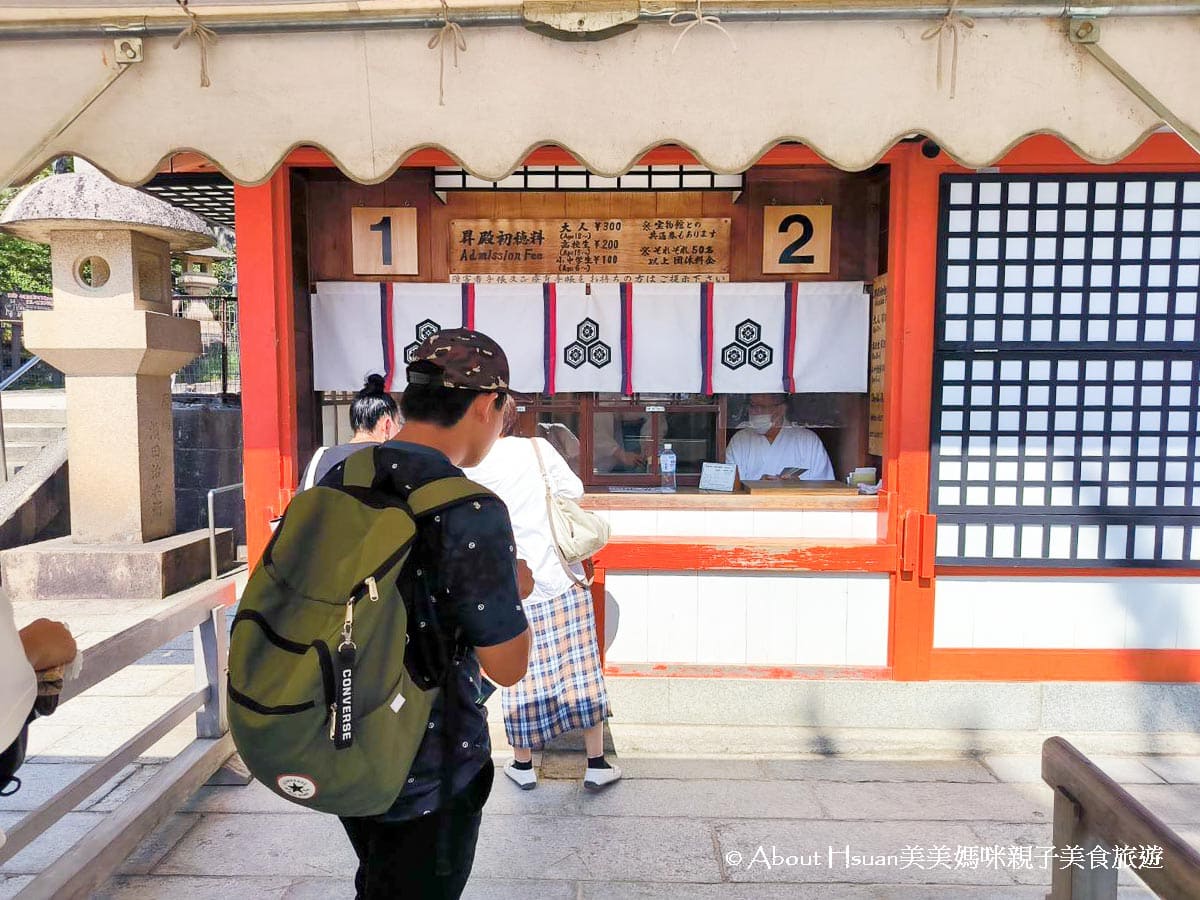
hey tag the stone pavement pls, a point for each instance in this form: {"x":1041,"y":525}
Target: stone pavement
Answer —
{"x":681,"y":828}
{"x":683,"y":825}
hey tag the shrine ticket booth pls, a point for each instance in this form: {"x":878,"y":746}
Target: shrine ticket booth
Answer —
{"x":983,"y":292}
{"x":996,"y":349}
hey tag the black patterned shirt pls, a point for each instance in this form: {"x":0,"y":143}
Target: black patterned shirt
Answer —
{"x":462,"y":578}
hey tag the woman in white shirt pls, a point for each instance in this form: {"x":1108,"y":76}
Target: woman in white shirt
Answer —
{"x":563,"y":689}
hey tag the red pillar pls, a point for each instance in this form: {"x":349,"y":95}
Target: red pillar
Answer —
{"x":912,"y":284}
{"x":268,"y":359}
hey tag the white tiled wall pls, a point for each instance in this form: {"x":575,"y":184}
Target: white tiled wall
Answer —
{"x":1068,"y":613}
{"x":759,"y":619}
{"x":778,"y":523}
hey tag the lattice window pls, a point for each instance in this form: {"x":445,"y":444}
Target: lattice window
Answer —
{"x":577,"y":178}
{"x":207,"y":195}
{"x":1067,"y":372}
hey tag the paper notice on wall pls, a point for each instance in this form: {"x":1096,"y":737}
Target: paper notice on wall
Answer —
{"x":878,"y":354}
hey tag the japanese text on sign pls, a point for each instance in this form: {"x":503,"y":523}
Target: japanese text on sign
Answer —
{"x":589,"y":249}
{"x":878,"y":356}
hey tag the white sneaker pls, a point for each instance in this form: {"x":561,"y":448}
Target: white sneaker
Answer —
{"x":526,"y":779}
{"x":598,"y":779}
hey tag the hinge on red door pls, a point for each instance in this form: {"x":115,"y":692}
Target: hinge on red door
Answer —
{"x":918,"y":547}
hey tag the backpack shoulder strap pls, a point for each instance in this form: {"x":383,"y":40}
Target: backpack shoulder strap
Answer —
{"x":310,"y":474}
{"x":443,"y":493}
{"x":359,"y":469}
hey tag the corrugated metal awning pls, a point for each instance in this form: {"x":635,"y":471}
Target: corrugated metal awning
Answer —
{"x":369,"y":96}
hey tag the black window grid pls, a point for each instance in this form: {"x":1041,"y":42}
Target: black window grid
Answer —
{"x":1064,"y":435}
{"x":208,"y":195}
{"x":577,"y":178}
{"x":1060,"y":261}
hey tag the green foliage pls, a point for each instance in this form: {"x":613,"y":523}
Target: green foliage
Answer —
{"x":23,"y":266}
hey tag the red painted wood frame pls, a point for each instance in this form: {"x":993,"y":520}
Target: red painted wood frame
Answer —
{"x":262,"y":219}
{"x":906,"y":547}
{"x":1047,"y":155}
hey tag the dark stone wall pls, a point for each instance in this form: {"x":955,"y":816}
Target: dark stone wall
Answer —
{"x":208,"y":454}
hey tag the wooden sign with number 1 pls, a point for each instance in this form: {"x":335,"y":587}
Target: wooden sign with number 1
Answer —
{"x":797,"y":239}
{"x":384,"y":240}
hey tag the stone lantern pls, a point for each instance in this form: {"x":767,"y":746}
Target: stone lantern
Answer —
{"x":197,"y":279}
{"x":111,"y":333}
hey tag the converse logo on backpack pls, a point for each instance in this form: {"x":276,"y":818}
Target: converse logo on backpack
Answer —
{"x":297,"y":787}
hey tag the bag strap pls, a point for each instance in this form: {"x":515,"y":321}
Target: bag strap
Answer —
{"x":310,"y":474}
{"x":443,"y":493}
{"x":359,"y":468}
{"x":562,"y":560}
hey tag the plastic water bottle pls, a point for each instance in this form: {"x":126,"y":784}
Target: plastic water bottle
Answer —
{"x":666,"y":465}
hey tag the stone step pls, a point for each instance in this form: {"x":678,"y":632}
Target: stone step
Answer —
{"x":35,"y":408}
{"x":21,"y":452}
{"x":53,"y":417}
{"x":34,"y":415}
{"x":743,"y":715}
{"x":41,"y":433}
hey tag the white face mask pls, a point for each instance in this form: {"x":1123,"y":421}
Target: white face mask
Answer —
{"x":762,"y":423}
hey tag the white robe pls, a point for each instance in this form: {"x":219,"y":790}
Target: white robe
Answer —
{"x":756,"y":457}
{"x":18,"y":683}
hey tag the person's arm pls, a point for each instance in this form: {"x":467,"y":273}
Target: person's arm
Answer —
{"x":816,"y":459}
{"x":47,"y":644}
{"x":479,"y":573}
{"x":732,"y":454}
{"x":506,"y":663}
{"x":563,"y":481}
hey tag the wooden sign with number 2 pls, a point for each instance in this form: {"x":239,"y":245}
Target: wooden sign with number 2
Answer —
{"x":796,"y":239}
{"x":384,"y":240}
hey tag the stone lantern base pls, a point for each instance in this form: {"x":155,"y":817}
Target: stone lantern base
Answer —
{"x":64,"y":570}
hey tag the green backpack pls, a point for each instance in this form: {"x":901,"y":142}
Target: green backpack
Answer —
{"x":323,"y":708}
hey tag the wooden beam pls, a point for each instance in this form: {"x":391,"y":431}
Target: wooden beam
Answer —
{"x":1001,"y":664}
{"x":125,"y":648}
{"x":100,"y":852}
{"x":1092,"y":810}
{"x":740,"y":554}
{"x":267,"y":333}
{"x":31,"y":827}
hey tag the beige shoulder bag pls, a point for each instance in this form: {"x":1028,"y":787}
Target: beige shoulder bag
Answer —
{"x":577,"y":533}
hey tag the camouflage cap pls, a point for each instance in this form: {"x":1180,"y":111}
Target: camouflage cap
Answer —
{"x":467,"y":359}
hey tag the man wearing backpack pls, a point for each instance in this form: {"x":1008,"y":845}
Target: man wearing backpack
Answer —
{"x":465,"y":565}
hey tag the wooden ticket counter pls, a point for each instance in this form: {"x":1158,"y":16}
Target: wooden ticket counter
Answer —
{"x":1028,"y":397}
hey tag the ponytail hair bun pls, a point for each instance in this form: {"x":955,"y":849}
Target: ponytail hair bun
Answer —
{"x":371,"y":404}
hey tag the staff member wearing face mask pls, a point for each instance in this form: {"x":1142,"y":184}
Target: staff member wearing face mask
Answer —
{"x":769,"y":445}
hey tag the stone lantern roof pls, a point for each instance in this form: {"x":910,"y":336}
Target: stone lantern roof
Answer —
{"x":90,"y":202}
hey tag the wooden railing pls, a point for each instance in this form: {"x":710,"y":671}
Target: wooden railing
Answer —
{"x":1092,"y":816}
{"x":98,"y":854}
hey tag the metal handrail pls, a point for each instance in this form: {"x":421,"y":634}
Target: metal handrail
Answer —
{"x":4,"y":386}
{"x":1092,"y":811}
{"x":212,"y":525}
{"x":93,"y":859}
{"x":19,"y":373}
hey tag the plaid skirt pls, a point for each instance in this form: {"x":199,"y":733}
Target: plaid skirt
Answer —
{"x":564,"y":687}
